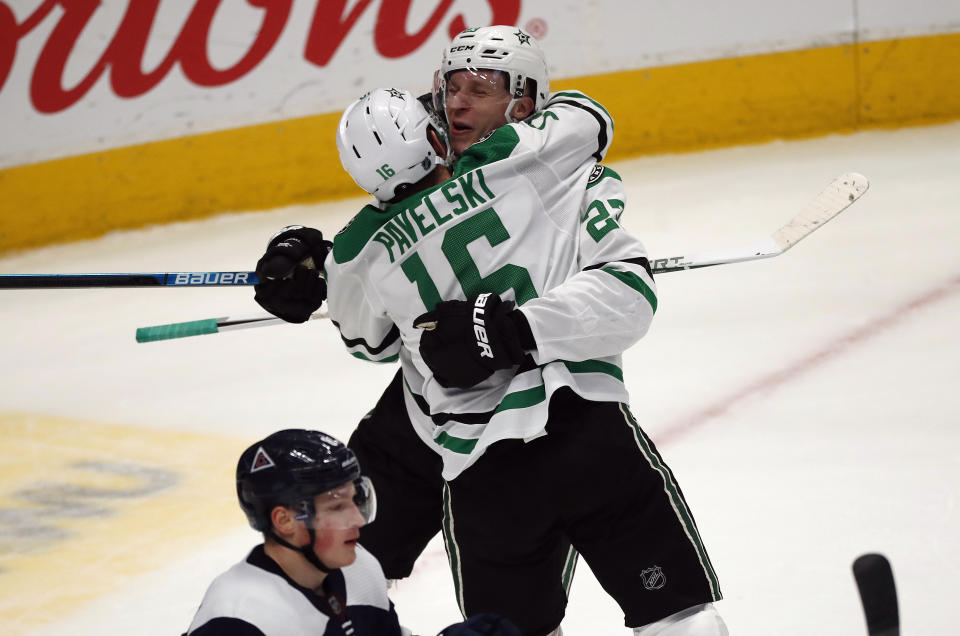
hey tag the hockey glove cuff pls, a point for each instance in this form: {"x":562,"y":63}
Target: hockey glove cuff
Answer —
{"x":464,"y":342}
{"x":290,"y":272}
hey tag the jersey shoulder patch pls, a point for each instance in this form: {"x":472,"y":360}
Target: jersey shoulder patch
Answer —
{"x":599,"y":173}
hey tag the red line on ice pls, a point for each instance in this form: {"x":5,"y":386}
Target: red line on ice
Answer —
{"x":832,"y":349}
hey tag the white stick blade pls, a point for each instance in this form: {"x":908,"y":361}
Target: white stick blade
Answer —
{"x":836,"y":198}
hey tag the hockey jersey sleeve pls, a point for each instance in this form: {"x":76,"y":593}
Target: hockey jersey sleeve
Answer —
{"x":570,"y":129}
{"x":609,"y":304}
{"x":354,"y":308}
{"x":582,"y":123}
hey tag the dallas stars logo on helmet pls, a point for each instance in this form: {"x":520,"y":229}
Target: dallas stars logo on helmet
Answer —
{"x":522,"y":37}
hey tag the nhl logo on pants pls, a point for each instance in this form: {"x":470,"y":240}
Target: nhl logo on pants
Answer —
{"x":653,"y":578}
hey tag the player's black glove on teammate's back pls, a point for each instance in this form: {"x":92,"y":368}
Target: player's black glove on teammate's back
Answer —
{"x":289,"y":272}
{"x":464,"y":342}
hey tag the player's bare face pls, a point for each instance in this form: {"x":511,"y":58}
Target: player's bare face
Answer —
{"x":337,"y":525}
{"x":476,"y":103}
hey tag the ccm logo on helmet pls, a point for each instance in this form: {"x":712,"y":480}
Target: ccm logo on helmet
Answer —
{"x":462,"y":47}
{"x":479,"y":328}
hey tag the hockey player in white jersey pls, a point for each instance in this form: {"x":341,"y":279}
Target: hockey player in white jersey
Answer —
{"x":508,"y":295}
{"x":304,"y":491}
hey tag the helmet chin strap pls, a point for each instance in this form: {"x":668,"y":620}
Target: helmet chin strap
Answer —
{"x":306,"y":550}
{"x":510,"y":118}
{"x":447,"y":161}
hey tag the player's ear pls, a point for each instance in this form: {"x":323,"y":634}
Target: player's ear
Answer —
{"x":436,"y":143}
{"x":523,"y":108}
{"x":283,"y":520}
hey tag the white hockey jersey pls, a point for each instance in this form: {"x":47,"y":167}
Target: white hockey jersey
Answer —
{"x":255,"y":597}
{"x":530,"y":215}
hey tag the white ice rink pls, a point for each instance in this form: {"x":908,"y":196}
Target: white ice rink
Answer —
{"x":808,"y":404}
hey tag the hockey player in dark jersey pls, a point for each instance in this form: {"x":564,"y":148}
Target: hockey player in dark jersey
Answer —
{"x":304,"y":491}
{"x":512,"y":376}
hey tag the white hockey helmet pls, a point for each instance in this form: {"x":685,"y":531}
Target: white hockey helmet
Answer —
{"x":382,"y":141}
{"x":508,"y":49}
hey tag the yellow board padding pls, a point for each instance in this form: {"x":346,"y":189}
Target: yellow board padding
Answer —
{"x":676,"y":108}
{"x":727,"y":101}
{"x":909,"y":81}
{"x":87,"y":506}
{"x":249,"y":168}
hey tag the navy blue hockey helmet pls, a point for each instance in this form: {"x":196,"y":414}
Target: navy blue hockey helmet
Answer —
{"x":292,"y":466}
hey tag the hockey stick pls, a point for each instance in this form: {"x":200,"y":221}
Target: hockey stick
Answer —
{"x":209,"y":325}
{"x":878,"y":593}
{"x":836,"y":198}
{"x":163,"y":279}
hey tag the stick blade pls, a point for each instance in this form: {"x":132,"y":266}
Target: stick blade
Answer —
{"x":878,"y":593}
{"x":836,"y":198}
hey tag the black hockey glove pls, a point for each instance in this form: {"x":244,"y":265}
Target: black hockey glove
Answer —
{"x":290,"y":271}
{"x":464,"y":342}
{"x":482,"y":625}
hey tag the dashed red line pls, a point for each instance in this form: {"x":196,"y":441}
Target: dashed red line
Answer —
{"x":832,"y":349}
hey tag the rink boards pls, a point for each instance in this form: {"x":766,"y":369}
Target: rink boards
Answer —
{"x":665,"y":108}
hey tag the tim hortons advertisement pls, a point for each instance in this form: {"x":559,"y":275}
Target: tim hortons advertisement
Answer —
{"x":78,"y":71}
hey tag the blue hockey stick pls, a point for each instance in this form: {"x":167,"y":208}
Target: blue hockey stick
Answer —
{"x":164,"y":279}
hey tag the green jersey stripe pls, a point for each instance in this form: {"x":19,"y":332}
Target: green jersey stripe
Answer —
{"x":393,"y":358}
{"x":456,"y":444}
{"x":636,"y":283}
{"x":595,"y":366}
{"x":523,"y":399}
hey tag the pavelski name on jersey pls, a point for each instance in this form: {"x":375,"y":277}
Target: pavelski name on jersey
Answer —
{"x":457,"y":196}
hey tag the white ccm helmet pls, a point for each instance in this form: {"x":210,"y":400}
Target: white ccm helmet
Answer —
{"x":501,"y":48}
{"x":382,"y":141}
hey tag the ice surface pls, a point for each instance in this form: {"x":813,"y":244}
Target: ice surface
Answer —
{"x":808,"y":404}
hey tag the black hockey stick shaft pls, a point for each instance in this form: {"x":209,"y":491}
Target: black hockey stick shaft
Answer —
{"x":878,"y":593}
{"x":160,"y":279}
